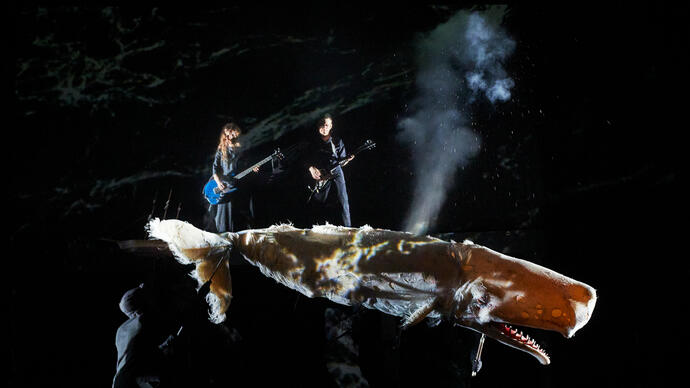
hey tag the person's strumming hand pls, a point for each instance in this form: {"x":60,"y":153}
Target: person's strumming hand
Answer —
{"x":315,"y":173}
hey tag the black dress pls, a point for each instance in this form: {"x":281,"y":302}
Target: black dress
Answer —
{"x":238,"y":202}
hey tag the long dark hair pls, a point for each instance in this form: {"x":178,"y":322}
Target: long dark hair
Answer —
{"x":224,"y":142}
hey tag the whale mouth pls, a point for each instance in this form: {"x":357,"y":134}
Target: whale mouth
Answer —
{"x":516,"y":338}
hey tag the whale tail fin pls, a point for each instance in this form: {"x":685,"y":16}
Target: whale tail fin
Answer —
{"x":208,"y":251}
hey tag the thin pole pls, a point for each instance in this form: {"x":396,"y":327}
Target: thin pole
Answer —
{"x":476,"y":365}
{"x":167,"y":203}
{"x":153,"y":207}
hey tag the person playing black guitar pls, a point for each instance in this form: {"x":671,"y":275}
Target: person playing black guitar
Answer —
{"x":225,"y":164}
{"x":326,"y":154}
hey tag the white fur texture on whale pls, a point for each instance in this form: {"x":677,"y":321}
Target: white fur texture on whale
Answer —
{"x":398,"y":273}
{"x":192,"y":245}
{"x":183,"y":235}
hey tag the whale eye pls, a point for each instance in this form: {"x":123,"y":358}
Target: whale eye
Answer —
{"x":479,"y":303}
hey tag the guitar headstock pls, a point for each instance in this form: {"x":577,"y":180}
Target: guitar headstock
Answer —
{"x":278,"y":154}
{"x":367,"y":145}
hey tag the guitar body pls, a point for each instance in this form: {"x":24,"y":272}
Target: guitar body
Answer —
{"x":320,"y":184}
{"x":214,"y":195}
{"x":327,"y":175}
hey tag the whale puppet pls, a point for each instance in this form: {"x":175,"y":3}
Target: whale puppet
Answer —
{"x":398,"y":273}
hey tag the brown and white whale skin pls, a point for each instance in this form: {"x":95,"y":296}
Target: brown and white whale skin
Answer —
{"x":398,"y":273}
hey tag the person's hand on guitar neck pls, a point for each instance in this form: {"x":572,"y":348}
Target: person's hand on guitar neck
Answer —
{"x":349,"y":158}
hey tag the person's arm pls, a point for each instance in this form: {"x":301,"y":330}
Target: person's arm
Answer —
{"x":218,"y":182}
{"x":309,"y":162}
{"x":342,"y":154}
{"x":315,"y":173}
{"x":241,"y":164}
{"x":218,"y":169}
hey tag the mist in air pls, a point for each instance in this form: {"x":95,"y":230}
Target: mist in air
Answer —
{"x":458,"y":62}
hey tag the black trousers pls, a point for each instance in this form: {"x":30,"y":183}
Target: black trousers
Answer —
{"x":320,"y":199}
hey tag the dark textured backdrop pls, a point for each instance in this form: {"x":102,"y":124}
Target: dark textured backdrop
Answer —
{"x":115,"y":106}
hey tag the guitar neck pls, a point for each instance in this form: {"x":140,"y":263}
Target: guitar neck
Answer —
{"x":249,"y":170}
{"x":342,"y":162}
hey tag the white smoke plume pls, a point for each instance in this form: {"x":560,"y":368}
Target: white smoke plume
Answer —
{"x":458,"y":62}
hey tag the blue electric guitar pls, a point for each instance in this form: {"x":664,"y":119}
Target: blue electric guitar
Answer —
{"x":215,"y":195}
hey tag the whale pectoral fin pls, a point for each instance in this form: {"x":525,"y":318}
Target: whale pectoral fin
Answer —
{"x":418,"y":315}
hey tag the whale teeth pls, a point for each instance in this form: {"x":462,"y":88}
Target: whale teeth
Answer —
{"x":522,"y":338}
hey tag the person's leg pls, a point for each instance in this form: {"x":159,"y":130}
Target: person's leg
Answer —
{"x":224,"y":217}
{"x":317,"y":205}
{"x":344,"y":200}
{"x":244,"y":212}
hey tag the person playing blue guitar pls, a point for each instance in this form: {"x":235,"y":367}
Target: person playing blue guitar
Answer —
{"x":225,"y":165}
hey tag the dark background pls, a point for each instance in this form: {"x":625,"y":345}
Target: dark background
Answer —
{"x":115,"y":107}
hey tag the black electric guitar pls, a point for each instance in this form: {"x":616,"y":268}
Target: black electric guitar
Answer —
{"x":327,"y":175}
{"x":214,"y":194}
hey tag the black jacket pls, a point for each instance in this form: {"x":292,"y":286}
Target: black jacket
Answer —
{"x":325,"y":155}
